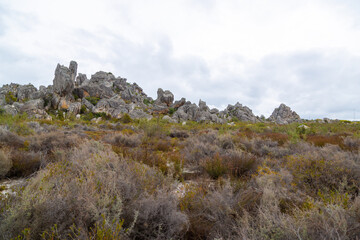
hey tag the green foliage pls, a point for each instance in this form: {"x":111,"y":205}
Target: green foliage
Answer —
{"x":10,"y":98}
{"x":76,"y":97}
{"x":126,"y":118}
{"x":146,"y":101}
{"x":2,"y":111}
{"x":93,"y":100}
{"x":172,"y":111}
{"x":83,"y":109}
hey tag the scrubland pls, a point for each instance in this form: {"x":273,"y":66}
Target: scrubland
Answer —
{"x":139,"y":179}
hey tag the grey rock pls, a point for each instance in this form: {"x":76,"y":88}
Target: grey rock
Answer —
{"x":10,"y":109}
{"x":241,"y":112}
{"x":80,"y":79}
{"x":102,"y":77}
{"x":74,"y":108}
{"x":165,"y":97}
{"x":203,"y":106}
{"x":115,"y":107}
{"x":178,"y":103}
{"x":63,"y":84}
{"x":214,"y":111}
{"x":73,"y":69}
{"x":88,"y":104}
{"x":284,"y":115}
{"x":2,"y":100}
{"x":139,"y":114}
{"x":169,"y":119}
{"x":25,"y":92}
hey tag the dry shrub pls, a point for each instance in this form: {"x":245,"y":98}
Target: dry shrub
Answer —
{"x":351,"y":144}
{"x":163,"y":145}
{"x":158,"y":218}
{"x":24,"y":163}
{"x":48,"y":142}
{"x":280,"y":138}
{"x":198,"y":148}
{"x":215,"y":166}
{"x":322,"y":140}
{"x":316,"y":173}
{"x":241,"y":164}
{"x":5,"y":163}
{"x":10,"y":139}
{"x":179,"y":134}
{"x":226,"y":142}
{"x":123,"y":140}
{"x":90,"y":186}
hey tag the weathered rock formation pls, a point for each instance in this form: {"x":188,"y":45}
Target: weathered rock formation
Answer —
{"x":74,"y":93}
{"x":284,"y":115}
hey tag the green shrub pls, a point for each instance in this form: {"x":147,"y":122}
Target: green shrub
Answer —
{"x":146,"y":101}
{"x":93,"y":100}
{"x":171,"y":111}
{"x":126,"y":118}
{"x":10,"y":98}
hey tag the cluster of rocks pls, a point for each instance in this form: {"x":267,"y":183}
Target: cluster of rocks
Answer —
{"x":74,"y":93}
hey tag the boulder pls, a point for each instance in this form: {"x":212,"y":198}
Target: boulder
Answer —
{"x":203,"y":106}
{"x":63,"y":84}
{"x":74,"y":108}
{"x":73,"y":70}
{"x":165,"y":97}
{"x":139,"y":114}
{"x":284,"y":115}
{"x":241,"y":112}
{"x":10,"y":109}
{"x":26,"y":92}
{"x":81,"y":79}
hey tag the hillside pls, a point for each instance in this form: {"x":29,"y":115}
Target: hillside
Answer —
{"x":99,"y":159}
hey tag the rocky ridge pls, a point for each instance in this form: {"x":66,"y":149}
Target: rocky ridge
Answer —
{"x":75,"y":94}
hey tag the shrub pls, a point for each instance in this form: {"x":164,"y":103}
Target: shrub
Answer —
{"x":215,"y":167}
{"x":126,"y":118}
{"x":172,"y":111}
{"x":24,"y":163}
{"x":146,"y":101}
{"x":10,"y":98}
{"x":10,"y":139}
{"x":280,"y":138}
{"x":320,"y":140}
{"x":93,"y":100}
{"x":240,"y":164}
{"x":5,"y":163}
{"x":158,"y":218}
{"x":123,"y":140}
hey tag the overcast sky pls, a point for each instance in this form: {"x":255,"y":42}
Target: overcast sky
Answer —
{"x":260,"y":53}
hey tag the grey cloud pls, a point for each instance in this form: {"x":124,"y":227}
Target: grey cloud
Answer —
{"x":316,"y":84}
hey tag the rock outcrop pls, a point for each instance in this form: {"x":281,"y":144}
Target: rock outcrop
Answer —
{"x":284,"y":115}
{"x":164,"y":97}
{"x":63,"y":84}
{"x":104,"y":93}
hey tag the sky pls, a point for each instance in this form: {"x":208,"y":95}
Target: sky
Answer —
{"x":260,"y":53}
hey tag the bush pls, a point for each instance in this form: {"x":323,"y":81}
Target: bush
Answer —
{"x":5,"y":164}
{"x":126,"y":118}
{"x":215,"y":167}
{"x":93,"y":100}
{"x":10,"y":98}
{"x":24,"y":163}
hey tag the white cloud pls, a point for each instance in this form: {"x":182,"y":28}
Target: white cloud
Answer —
{"x":258,"y":52}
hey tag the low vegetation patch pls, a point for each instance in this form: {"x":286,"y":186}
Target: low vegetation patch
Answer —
{"x":151,"y":179}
